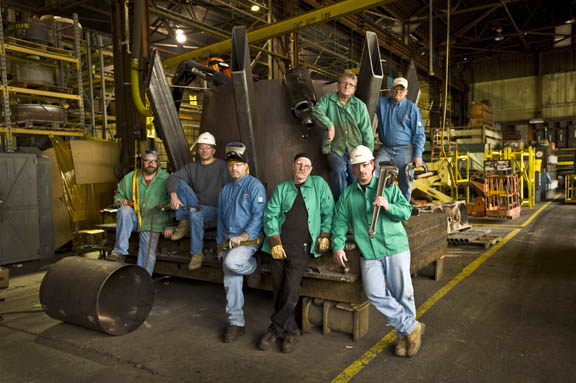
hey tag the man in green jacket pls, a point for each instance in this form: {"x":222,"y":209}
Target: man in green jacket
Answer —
{"x":346,"y":124}
{"x":297,"y":223}
{"x":142,"y":214}
{"x":385,"y":261}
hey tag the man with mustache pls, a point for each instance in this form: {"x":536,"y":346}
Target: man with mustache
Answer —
{"x":151,"y":192}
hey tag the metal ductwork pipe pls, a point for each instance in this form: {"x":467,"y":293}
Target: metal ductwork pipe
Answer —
{"x":302,"y":97}
{"x":110,"y":297}
{"x":371,"y":74}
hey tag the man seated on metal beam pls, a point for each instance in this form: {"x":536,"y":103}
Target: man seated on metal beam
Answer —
{"x":401,"y":132}
{"x":240,"y":209}
{"x":194,"y":191}
{"x":140,"y":211}
{"x":385,"y":261}
{"x":346,"y":123}
{"x":297,"y":223}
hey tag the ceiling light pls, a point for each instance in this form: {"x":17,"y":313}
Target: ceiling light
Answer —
{"x":180,"y":36}
{"x":255,"y":8}
{"x":570,"y":21}
{"x":179,"y":32}
{"x":498,"y":37}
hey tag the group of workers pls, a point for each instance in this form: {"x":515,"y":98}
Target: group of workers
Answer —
{"x":303,"y":218}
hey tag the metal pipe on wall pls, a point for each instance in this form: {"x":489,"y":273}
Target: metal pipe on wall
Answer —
{"x":430,"y":41}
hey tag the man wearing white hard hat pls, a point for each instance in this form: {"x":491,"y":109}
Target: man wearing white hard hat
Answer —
{"x":401,"y":132}
{"x":197,"y":184}
{"x":385,"y":261}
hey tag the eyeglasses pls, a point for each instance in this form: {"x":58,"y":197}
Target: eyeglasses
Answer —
{"x":346,"y":84}
{"x":150,"y":161}
{"x":304,"y":166}
{"x":204,"y":147}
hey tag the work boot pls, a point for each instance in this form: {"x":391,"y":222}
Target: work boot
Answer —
{"x":288,"y":344}
{"x":253,"y":280}
{"x":233,"y":332}
{"x":195,"y":262}
{"x":401,"y":346}
{"x":182,"y":229}
{"x":116,"y":257}
{"x":415,"y":339}
{"x":266,"y":340}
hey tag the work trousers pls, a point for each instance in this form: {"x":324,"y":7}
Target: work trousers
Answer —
{"x":126,"y":223}
{"x":196,"y":217}
{"x":388,"y":286}
{"x":237,"y":262}
{"x":340,"y":173}
{"x":402,"y":156}
{"x":286,"y":277}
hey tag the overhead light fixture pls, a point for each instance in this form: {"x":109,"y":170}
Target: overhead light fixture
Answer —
{"x":570,"y":21}
{"x":537,"y":121}
{"x":255,"y":8}
{"x":498,"y":37}
{"x":180,"y":36}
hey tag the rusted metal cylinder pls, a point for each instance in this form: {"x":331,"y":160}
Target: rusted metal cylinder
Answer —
{"x":109,"y":297}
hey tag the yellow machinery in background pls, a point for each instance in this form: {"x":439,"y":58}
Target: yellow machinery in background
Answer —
{"x":524,"y":165}
{"x":570,"y":188}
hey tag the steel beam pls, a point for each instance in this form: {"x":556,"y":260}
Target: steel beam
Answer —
{"x":292,"y":24}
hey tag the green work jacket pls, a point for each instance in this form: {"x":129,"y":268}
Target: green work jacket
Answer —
{"x":352,"y":124}
{"x":355,"y":207}
{"x":150,"y":196}
{"x":319,"y":205}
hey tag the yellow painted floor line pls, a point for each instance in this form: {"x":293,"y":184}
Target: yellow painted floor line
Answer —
{"x":368,"y":356}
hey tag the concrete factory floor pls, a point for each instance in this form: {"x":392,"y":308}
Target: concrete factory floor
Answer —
{"x":506,"y":314}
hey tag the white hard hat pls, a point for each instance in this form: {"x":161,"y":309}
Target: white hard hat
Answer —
{"x":400,"y":81}
{"x":236,"y":147}
{"x":206,"y":138}
{"x":361,"y":154}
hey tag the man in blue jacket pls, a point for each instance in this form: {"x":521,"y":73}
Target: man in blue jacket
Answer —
{"x":297,"y":223}
{"x":401,"y":132}
{"x":240,"y":209}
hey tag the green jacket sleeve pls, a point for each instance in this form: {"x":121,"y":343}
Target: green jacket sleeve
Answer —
{"x":319,"y":112}
{"x":340,"y":224}
{"x":272,"y":212}
{"x":327,"y":208}
{"x":124,"y":190}
{"x":365,"y":125}
{"x":398,"y":208}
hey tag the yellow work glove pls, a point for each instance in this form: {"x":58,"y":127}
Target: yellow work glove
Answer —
{"x":278,"y":252}
{"x":323,"y":244}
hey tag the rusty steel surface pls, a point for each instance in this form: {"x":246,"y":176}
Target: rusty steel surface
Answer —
{"x":110,"y":297}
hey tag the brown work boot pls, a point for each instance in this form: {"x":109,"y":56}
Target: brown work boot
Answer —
{"x":288,"y":344}
{"x":195,"y":262}
{"x":401,"y":346}
{"x":233,"y":332}
{"x":116,"y":257}
{"x":182,"y":229}
{"x":266,"y":340}
{"x":415,"y":339}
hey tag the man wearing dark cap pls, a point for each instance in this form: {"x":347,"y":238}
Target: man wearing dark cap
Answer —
{"x":240,"y":209}
{"x":297,"y":223}
{"x":138,"y":211}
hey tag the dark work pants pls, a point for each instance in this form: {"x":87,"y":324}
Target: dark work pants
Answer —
{"x":286,"y":277}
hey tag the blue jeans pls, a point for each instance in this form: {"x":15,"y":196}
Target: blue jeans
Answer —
{"x":402,"y":156}
{"x":237,"y":262}
{"x":341,"y":173}
{"x":126,"y":223}
{"x":388,"y":286}
{"x":197,"y":218}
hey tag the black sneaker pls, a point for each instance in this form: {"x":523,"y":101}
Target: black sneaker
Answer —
{"x":266,"y":340}
{"x":233,"y":332}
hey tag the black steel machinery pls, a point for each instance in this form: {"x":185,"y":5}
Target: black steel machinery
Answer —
{"x":272,"y":118}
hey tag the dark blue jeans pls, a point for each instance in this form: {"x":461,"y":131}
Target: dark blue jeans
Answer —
{"x":341,"y":173}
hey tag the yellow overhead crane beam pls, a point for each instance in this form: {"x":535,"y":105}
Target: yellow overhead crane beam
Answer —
{"x":318,"y":16}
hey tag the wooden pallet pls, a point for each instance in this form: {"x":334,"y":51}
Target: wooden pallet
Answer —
{"x":475,"y":237}
{"x":38,"y":46}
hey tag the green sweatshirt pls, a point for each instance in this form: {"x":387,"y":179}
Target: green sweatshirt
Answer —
{"x":355,"y":207}
{"x":352,"y":124}
{"x":319,"y":204}
{"x":150,"y":196}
